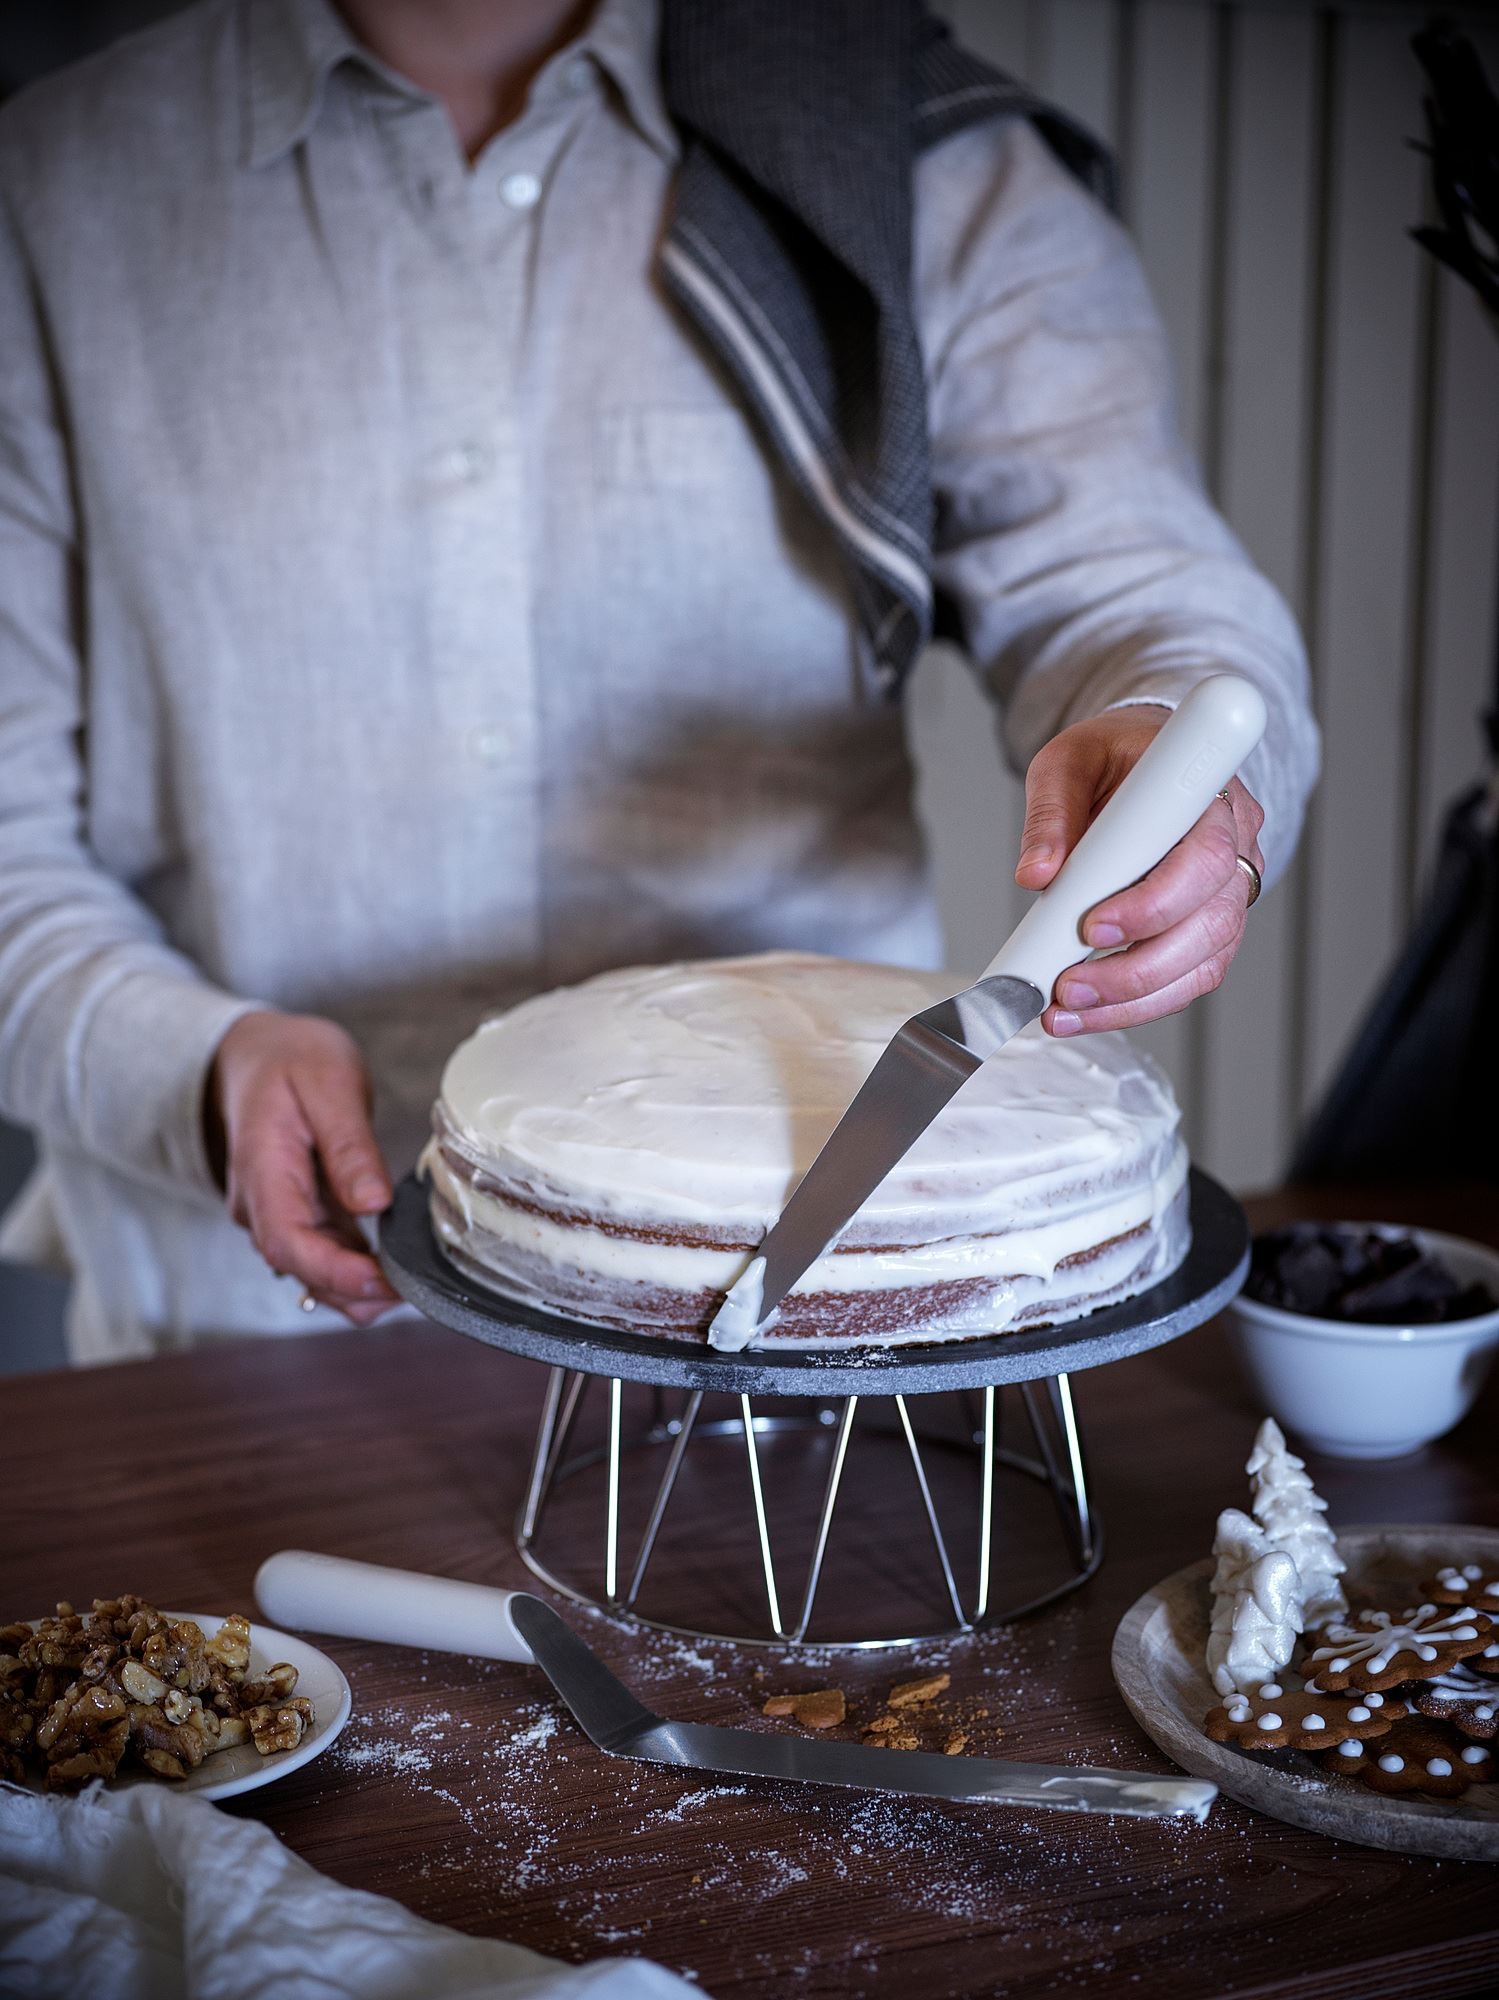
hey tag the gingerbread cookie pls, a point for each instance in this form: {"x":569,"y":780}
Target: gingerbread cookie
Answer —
{"x":1416,"y":1756}
{"x":1378,"y":1650}
{"x":1275,"y":1718}
{"x":1460,"y":1696}
{"x":1486,"y":1662}
{"x":1472,"y":1583}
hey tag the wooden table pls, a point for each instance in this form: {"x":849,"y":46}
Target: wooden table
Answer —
{"x":462,"y":1789}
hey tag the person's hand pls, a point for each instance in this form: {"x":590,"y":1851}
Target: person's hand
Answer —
{"x":1181,"y":924}
{"x":287,"y":1115}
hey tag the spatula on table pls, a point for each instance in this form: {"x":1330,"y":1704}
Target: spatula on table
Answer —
{"x":1192,"y":758}
{"x":401,"y":1607}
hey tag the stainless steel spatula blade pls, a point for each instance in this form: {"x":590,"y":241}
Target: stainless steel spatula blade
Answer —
{"x":929,"y":1059}
{"x":611,"y":1716}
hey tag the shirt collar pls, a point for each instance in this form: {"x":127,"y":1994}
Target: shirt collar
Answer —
{"x":292,"y":46}
{"x":624,"y":39}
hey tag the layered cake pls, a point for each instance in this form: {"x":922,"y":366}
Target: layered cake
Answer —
{"x":615,"y":1151}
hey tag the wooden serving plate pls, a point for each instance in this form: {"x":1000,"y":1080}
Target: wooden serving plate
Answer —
{"x":1158,"y":1664}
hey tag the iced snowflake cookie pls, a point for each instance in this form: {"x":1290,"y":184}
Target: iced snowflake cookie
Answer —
{"x":1378,"y":1650}
{"x":1471,"y":1583}
{"x":1417,"y":1756}
{"x":1275,"y":1718}
{"x":1460,"y":1696}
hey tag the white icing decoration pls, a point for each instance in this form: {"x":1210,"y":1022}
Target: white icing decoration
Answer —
{"x":1359,"y":1713}
{"x":1291,"y":1511}
{"x":1438,"y":1767}
{"x":1379,"y":1638}
{"x":1374,"y":1699}
{"x":1390,"y":1762}
{"x":1269,"y":1720}
{"x":695,"y":1096}
{"x":1255,"y":1617}
{"x":1271,"y":1689}
{"x":1313,"y":1722}
{"x":1475,"y":1754}
{"x":1350,"y":1749}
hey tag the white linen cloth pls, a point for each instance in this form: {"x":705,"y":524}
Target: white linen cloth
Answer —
{"x":141,"y":1895}
{"x":400,"y":615}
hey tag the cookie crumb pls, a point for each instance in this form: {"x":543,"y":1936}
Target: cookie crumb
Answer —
{"x":955,"y":1745}
{"x":823,"y":1708}
{"x":911,"y":1694}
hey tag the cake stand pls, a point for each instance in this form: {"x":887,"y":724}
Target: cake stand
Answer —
{"x":817,"y":1396}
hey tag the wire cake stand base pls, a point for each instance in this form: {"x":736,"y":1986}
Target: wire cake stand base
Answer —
{"x":858,"y":1448}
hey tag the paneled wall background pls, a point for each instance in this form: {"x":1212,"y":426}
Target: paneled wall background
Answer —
{"x":1342,"y":394}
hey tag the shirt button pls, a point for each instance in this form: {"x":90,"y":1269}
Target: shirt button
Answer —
{"x":520,"y":190}
{"x":464,"y":462}
{"x":489,"y":745}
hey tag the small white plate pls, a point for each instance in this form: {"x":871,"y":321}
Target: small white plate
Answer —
{"x":242,"y":1769}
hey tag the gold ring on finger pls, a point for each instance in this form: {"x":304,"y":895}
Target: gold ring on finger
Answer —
{"x":1224,"y":796}
{"x":1255,"y":884}
{"x":309,"y":1303}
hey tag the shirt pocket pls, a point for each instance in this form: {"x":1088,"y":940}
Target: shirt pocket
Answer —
{"x":665,"y":447}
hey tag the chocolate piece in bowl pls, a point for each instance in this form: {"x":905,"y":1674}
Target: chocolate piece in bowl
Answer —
{"x":1368,"y":1276}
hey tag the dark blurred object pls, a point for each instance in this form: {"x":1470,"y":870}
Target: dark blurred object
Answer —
{"x":1338,"y":1271}
{"x":1462,"y":124}
{"x":1418,"y":1093}
{"x":37,"y":36}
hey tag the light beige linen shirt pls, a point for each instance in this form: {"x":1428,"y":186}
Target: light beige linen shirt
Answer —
{"x":399,"y":614}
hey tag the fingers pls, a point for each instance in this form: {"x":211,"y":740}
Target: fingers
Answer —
{"x":1159,"y":976}
{"x":334,"y":1100}
{"x":1060,"y":786}
{"x":298,"y":1232}
{"x":1197,"y":868}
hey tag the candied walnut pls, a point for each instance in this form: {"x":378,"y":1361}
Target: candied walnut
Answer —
{"x":140,"y":1684}
{"x":180,"y":1741}
{"x":139,"y":1622}
{"x":77,"y":1712}
{"x":164,"y":1764}
{"x":99,"y":1758}
{"x":56,"y":1642}
{"x":179,"y":1654}
{"x":912,"y":1694}
{"x":272,"y":1686}
{"x":99,"y":1658}
{"x":232,"y":1731}
{"x":17,"y":1725}
{"x":230,"y":1647}
{"x":221,"y":1692}
{"x":279,"y":1727}
{"x":823,"y":1708}
{"x":13,"y":1637}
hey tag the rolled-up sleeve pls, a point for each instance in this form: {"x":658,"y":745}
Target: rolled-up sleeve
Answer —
{"x":1087,"y":565}
{"x":106,"y":1033}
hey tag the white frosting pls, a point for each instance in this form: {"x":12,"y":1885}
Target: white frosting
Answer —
{"x":1290,"y":1510}
{"x":695,"y":1097}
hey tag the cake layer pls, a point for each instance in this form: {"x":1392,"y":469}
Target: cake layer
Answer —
{"x":615,"y":1152}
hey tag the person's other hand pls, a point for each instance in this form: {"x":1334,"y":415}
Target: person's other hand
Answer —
{"x":1181,"y":924}
{"x":287,"y":1115}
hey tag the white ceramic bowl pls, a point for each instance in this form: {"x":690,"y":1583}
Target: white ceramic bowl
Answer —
{"x":1361,"y":1391}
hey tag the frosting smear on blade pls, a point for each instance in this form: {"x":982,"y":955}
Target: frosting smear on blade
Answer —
{"x":616,"y":1151}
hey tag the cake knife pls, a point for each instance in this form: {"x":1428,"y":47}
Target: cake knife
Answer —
{"x":1191,"y":758}
{"x":305,"y":1592}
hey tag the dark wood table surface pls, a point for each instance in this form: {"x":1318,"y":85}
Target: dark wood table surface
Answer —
{"x":462,"y":1789}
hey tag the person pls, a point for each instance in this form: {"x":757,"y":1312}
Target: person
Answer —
{"x":472,"y":476}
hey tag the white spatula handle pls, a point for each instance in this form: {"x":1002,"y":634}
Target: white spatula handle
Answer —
{"x":1193,"y":756}
{"x":401,"y":1607}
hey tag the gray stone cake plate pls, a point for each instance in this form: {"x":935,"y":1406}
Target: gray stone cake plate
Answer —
{"x":1207,"y":1279}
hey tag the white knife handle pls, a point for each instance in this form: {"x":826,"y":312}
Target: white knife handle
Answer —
{"x":1192,"y":757}
{"x":400,"y":1607}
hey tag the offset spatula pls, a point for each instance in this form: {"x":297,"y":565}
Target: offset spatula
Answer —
{"x":929,"y":1059}
{"x":365,"y":1601}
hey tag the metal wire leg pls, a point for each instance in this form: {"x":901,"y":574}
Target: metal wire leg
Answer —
{"x":988,"y":1439}
{"x":557,"y":1428}
{"x":1069,"y":1488}
{"x":664,"y":1492}
{"x":931,"y":1513}
{"x":825,"y":1516}
{"x":761,"y":1524}
{"x":611,"y":1517}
